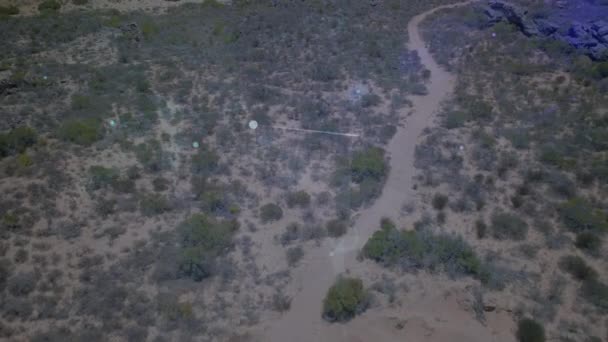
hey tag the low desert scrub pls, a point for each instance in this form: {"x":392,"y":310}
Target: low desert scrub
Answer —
{"x":508,"y":226}
{"x":528,"y":330}
{"x":270,"y":212}
{"x":344,"y":300}
{"x":422,"y":250}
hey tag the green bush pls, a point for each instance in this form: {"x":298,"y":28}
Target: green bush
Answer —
{"x":8,"y":10}
{"x":298,"y":198}
{"x":202,"y":240}
{"x":82,"y":132}
{"x":440,"y":201}
{"x":270,"y":212}
{"x":150,"y":155}
{"x":205,"y":162}
{"x":528,"y":330}
{"x":508,"y":226}
{"x":368,"y":163}
{"x":17,"y":141}
{"x":154,"y":204}
{"x":578,"y":215}
{"x":49,"y":6}
{"x":577,"y":267}
{"x":160,"y":184}
{"x":596,"y":293}
{"x":589,"y":242}
{"x":480,"y":229}
{"x":414,"y":249}
{"x":336,"y":228}
{"x":294,"y":254}
{"x":455,"y":119}
{"x":344,"y":300}
{"x":101,"y":177}
{"x":601,"y":69}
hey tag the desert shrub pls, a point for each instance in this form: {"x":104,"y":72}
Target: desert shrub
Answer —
{"x":589,"y":242}
{"x":202,"y":240}
{"x":336,"y":228}
{"x":270,"y":212}
{"x":480,"y":229}
{"x":577,"y":267}
{"x":280,"y":302}
{"x":508,"y":226}
{"x":160,"y":184}
{"x":345,"y":299}
{"x":150,"y":155}
{"x":102,"y":177}
{"x":292,"y":232}
{"x":8,"y":10}
{"x":49,"y":6}
{"x":5,"y":273}
{"x":294,"y":254}
{"x":21,"y":256}
{"x":370,"y":100}
{"x":439,"y":201}
{"x":205,"y":162}
{"x":17,"y":140}
{"x":16,"y":308}
{"x":517,"y":201}
{"x":81,"y":131}
{"x":22,"y":284}
{"x":596,"y":293}
{"x":154,"y":204}
{"x":601,"y":69}
{"x":420,"y":249}
{"x":368,"y":163}
{"x":528,"y":330}
{"x":298,"y":198}
{"x":578,"y":215}
{"x":455,"y":119}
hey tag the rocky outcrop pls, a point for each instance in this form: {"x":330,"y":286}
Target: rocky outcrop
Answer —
{"x":516,"y":15}
{"x":589,"y":37}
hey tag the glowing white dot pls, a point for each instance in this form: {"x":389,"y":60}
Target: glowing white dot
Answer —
{"x":253,"y":124}
{"x":493,"y":34}
{"x":461,"y":147}
{"x":195,"y":144}
{"x":44,"y":77}
{"x":112,"y":123}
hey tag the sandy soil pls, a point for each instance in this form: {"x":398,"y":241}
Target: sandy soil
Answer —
{"x":321,"y":266}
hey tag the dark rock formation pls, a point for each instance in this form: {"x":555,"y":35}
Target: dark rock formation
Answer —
{"x":546,"y":27}
{"x":589,"y":37}
{"x":515,"y":15}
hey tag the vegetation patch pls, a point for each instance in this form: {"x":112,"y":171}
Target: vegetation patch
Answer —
{"x":579,"y":215}
{"x":529,"y":330}
{"x":422,"y":250}
{"x":81,"y":131}
{"x":508,"y":226}
{"x":577,"y":267}
{"x":203,"y":239}
{"x":270,"y":212}
{"x":344,"y":300}
{"x":17,"y":141}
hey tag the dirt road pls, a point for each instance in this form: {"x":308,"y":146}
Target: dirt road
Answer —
{"x":321,"y":266}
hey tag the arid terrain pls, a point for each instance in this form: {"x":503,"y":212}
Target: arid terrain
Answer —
{"x":392,"y":170}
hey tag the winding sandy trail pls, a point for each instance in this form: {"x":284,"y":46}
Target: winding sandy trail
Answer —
{"x":303,"y":321}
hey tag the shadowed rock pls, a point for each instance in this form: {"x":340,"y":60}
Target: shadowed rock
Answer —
{"x":516,"y":15}
{"x":580,"y":31}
